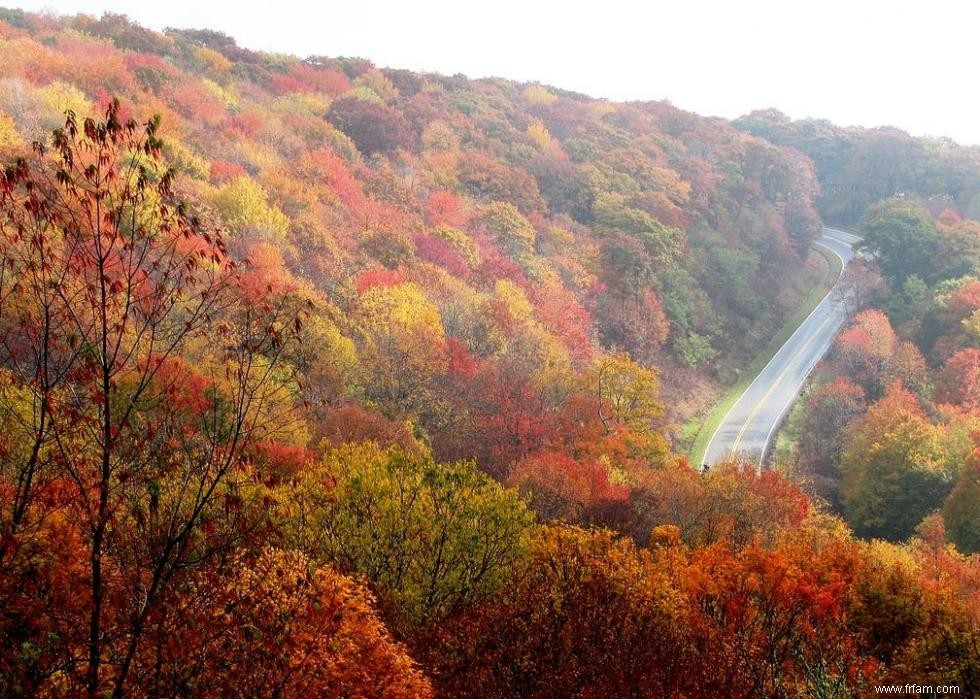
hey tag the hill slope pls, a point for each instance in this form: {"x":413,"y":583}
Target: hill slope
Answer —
{"x":541,"y":229}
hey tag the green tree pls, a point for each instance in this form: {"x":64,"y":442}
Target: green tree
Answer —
{"x":902,"y":237}
{"x":961,"y":512}
{"x":894,"y":469}
{"x":694,"y":349}
{"x":613,"y":215}
{"x":509,"y":227}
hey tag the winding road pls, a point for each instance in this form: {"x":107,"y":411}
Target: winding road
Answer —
{"x":748,"y":427}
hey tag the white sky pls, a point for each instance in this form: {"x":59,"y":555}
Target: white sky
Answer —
{"x":869,"y":62}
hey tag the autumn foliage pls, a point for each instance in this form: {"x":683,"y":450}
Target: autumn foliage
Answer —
{"x":320,"y":379}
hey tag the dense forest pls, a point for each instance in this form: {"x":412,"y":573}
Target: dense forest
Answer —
{"x":321,"y":379}
{"x":858,"y":167}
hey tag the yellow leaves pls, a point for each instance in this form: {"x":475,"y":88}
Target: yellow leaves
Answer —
{"x":430,"y":535}
{"x":542,"y":140}
{"x":223,"y":95}
{"x":324,"y":340}
{"x":260,"y":156}
{"x":514,"y":299}
{"x":600,"y":109}
{"x":18,"y":413}
{"x":244,"y":206}
{"x":558,"y":238}
{"x":375,"y":81}
{"x":341,"y":144}
{"x":186,"y":162}
{"x":665,"y":536}
{"x":890,"y":555}
{"x":670,"y":183}
{"x":403,"y":305}
{"x":364,"y":93}
{"x":438,"y":136}
{"x":539,"y":94}
{"x":401,"y":339}
{"x":440,"y":150}
{"x":8,"y":132}
{"x":58,"y":97}
{"x":308,"y":104}
{"x":972,"y":325}
{"x":211,"y":61}
{"x":628,"y":393}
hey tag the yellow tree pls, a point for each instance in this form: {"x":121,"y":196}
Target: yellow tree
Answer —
{"x":401,"y":343}
{"x":627,"y":393}
{"x":244,"y":206}
{"x":430,"y":537}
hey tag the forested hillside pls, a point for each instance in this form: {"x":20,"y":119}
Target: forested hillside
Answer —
{"x":588,"y":226}
{"x":858,"y":167}
{"x":320,"y":379}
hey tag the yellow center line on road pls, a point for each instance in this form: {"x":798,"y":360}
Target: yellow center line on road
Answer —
{"x":782,"y":374}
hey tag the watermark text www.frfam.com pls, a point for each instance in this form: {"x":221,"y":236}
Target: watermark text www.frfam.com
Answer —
{"x":918,"y":690}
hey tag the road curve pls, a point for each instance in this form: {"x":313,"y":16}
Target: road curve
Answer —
{"x":748,"y":427}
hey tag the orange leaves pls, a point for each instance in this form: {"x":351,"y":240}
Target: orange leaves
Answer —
{"x":590,"y":614}
{"x":561,"y":487}
{"x":222,"y":171}
{"x":303,"y":77}
{"x":730,"y":503}
{"x":183,"y":389}
{"x":587,"y":615}
{"x":352,"y":424}
{"x":864,"y":352}
{"x":962,"y":302}
{"x":279,"y":626}
{"x":265,"y":273}
{"x":444,"y":208}
{"x":477,"y":298}
{"x":870,"y":332}
{"x":768,"y":615}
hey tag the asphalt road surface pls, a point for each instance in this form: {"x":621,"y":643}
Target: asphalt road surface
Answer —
{"x":747,"y":429}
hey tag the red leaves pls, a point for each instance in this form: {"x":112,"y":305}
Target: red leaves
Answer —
{"x":462,"y":364}
{"x":303,"y":77}
{"x":184,"y":389}
{"x":276,"y":461}
{"x":378,"y":277}
{"x":440,"y":252}
{"x":223,"y":171}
